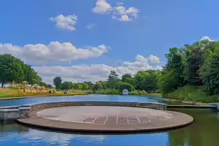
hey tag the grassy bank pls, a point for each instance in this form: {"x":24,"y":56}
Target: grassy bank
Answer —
{"x":13,"y":93}
{"x":192,"y":93}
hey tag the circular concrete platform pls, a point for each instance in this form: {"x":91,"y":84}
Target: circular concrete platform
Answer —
{"x":106,"y":119}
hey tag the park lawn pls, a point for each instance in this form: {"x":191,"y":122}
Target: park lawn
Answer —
{"x":13,"y":93}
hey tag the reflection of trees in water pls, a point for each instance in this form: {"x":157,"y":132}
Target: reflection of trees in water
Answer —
{"x":12,"y":127}
{"x":204,"y":131}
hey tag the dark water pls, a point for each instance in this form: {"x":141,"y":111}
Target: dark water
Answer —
{"x":204,"y":132}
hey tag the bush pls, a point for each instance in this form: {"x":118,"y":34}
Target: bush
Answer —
{"x":135,"y":92}
{"x":143,"y":92}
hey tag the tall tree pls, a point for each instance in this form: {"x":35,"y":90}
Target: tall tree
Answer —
{"x":57,"y":81}
{"x":209,"y":72}
{"x":112,"y":79}
{"x":147,"y":80}
{"x":125,"y":77}
{"x":11,"y":69}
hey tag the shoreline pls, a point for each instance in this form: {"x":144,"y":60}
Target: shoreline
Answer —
{"x":41,"y":96}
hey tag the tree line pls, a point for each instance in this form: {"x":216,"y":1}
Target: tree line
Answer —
{"x":142,"y":81}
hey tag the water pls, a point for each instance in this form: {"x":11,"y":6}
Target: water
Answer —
{"x":115,"y":98}
{"x":204,"y":131}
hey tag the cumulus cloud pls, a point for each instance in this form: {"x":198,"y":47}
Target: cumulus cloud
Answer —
{"x":65,"y":22}
{"x":96,"y":72}
{"x":102,"y":7}
{"x":119,"y":12}
{"x":207,"y":38}
{"x":54,"y":52}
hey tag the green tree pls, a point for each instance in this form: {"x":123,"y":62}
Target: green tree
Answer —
{"x":85,"y":86}
{"x":11,"y":69}
{"x":57,"y":81}
{"x":122,"y":85}
{"x":97,"y":87}
{"x":66,"y":85}
{"x":146,"y":81}
{"x":209,"y":72}
{"x":125,"y":77}
{"x":172,"y":76}
{"x":31,"y":76}
{"x":112,"y":79}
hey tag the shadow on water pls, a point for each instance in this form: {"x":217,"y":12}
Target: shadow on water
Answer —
{"x":203,"y":132}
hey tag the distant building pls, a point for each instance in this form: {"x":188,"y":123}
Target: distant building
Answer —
{"x":125,"y":92}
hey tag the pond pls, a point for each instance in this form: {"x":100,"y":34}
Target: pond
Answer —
{"x":113,"y":98}
{"x":204,"y":131}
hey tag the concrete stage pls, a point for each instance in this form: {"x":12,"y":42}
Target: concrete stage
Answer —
{"x":106,"y":119}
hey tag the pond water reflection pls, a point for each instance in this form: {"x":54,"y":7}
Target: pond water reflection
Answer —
{"x":203,"y":132}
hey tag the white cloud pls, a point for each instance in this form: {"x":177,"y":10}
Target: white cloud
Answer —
{"x":119,"y":12}
{"x":65,"y":22}
{"x":101,"y":7}
{"x":54,"y":52}
{"x":207,"y":38}
{"x":153,"y":59}
{"x":90,"y":26}
{"x":95,"y":72}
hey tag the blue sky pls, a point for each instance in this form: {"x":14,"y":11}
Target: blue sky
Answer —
{"x":126,"y":35}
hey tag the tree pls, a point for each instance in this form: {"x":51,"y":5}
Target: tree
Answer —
{"x":85,"y":86}
{"x":97,"y":87}
{"x":31,"y":76}
{"x":122,"y":85}
{"x":78,"y":86}
{"x":11,"y":69}
{"x":66,"y":85}
{"x":209,"y":72}
{"x":112,"y":79}
{"x":172,"y":76}
{"x":57,"y":81}
{"x":147,"y":81}
{"x":125,"y":77}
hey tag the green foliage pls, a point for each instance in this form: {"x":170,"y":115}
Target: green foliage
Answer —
{"x":14,"y":70}
{"x":135,"y":92}
{"x":210,"y":72}
{"x":97,"y":87}
{"x":66,"y":85}
{"x":143,"y":92}
{"x":112,"y":79}
{"x":122,"y":85}
{"x":57,"y":81}
{"x":192,"y":93}
{"x":125,"y":77}
{"x":147,"y":80}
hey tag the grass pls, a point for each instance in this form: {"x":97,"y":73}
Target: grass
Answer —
{"x":193,"y":94}
{"x":13,"y":93}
